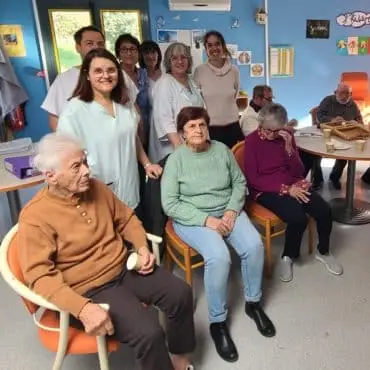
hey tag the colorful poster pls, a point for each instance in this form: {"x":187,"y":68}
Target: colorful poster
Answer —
{"x":281,"y":61}
{"x":363,"y":45}
{"x":342,"y":46}
{"x":244,"y":58}
{"x":257,"y":69}
{"x":12,"y":37}
{"x":352,"y":45}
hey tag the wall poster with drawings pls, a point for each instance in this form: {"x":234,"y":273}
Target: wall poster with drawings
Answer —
{"x":190,"y":38}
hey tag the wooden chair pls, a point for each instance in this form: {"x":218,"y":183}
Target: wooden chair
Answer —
{"x":54,"y":330}
{"x":272,"y":225}
{"x":313,"y":113}
{"x":181,"y":253}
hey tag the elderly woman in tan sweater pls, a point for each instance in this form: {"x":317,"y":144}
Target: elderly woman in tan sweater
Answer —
{"x":219,"y":83}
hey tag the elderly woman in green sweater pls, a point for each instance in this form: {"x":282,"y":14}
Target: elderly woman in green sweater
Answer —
{"x":203,"y":191}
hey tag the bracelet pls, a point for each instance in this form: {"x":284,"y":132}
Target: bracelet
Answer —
{"x":147,"y":165}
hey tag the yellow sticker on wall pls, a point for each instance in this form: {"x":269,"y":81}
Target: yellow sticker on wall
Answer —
{"x":12,"y":38}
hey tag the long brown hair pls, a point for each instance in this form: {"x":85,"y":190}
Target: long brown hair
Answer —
{"x":220,"y":38}
{"x":84,"y":90}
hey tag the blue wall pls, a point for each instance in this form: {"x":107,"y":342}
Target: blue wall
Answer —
{"x":317,"y":66}
{"x":21,"y":12}
{"x":249,"y":36}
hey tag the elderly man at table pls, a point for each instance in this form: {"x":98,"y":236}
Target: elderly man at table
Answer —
{"x":73,"y":249}
{"x":337,"y":107}
{"x":262,"y":95}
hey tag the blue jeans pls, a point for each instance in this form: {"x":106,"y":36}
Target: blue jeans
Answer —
{"x":247,"y":243}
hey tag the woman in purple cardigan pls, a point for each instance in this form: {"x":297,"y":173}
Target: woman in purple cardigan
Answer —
{"x":275,"y":179}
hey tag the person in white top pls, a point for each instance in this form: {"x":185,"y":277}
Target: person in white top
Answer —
{"x":61,"y":90}
{"x":103,"y":118}
{"x":262,"y":95}
{"x":172,"y":92}
{"x":219,"y":83}
{"x":86,"y":39}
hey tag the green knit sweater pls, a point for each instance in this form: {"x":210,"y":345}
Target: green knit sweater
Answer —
{"x":197,"y":185}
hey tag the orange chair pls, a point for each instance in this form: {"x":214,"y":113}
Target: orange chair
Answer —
{"x":273,"y":226}
{"x":181,"y":253}
{"x":54,"y":330}
{"x":359,"y":81}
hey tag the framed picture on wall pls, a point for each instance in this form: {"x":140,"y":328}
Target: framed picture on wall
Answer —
{"x":317,"y":29}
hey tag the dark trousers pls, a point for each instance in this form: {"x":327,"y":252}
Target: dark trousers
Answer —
{"x":337,"y":171}
{"x":229,"y":135}
{"x":134,"y":324}
{"x":294,"y":214}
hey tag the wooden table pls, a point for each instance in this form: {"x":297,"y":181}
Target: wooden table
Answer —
{"x":345,"y":210}
{"x":10,"y":185}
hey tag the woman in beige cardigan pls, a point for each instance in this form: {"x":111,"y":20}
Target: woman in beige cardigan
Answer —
{"x":219,"y":83}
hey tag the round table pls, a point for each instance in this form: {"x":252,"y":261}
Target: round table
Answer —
{"x":10,"y":184}
{"x":345,"y":210}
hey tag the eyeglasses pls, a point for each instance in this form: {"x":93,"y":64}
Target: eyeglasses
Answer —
{"x":178,"y":58}
{"x":100,"y":72}
{"x":128,"y":50}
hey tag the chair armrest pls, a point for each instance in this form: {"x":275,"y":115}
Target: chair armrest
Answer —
{"x":155,"y":241}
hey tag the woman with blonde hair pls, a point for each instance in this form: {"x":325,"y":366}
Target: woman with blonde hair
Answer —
{"x":171,"y":93}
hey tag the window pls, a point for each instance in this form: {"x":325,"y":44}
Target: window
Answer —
{"x":117,"y":22}
{"x":64,"y":24}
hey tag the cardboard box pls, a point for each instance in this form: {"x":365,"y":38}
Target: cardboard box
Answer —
{"x":21,"y":166}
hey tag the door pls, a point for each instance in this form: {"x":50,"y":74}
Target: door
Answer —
{"x":60,"y":19}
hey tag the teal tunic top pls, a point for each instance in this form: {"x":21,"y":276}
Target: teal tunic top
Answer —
{"x":110,"y":143}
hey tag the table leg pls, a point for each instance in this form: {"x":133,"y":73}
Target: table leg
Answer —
{"x":14,"y":205}
{"x":348,"y":211}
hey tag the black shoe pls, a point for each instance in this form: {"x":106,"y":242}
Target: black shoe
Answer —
{"x":224,"y":344}
{"x":336,"y":183}
{"x":264,"y":324}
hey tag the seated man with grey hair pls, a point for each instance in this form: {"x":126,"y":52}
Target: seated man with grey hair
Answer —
{"x":275,"y":178}
{"x":337,"y":107}
{"x":73,"y":252}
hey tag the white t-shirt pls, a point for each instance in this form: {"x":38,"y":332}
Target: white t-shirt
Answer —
{"x":65,"y":83}
{"x":60,"y":91}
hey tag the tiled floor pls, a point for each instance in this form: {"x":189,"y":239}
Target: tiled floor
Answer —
{"x":322,"y":321}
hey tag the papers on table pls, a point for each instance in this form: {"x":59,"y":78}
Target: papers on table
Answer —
{"x":308,"y":134}
{"x":338,"y":145}
{"x":16,"y":146}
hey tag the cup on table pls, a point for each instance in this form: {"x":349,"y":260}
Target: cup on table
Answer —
{"x":327,"y":133}
{"x":133,"y":262}
{"x":360,"y":145}
{"x":330,"y":146}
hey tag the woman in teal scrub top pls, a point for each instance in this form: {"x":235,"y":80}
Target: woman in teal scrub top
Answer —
{"x":102,"y":118}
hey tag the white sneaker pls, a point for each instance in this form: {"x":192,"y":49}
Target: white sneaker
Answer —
{"x":286,"y":269}
{"x":330,"y":263}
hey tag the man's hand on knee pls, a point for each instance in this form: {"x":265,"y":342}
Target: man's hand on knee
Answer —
{"x":96,"y":320}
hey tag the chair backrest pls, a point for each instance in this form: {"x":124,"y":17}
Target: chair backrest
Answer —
{"x":359,"y":81}
{"x":10,"y":267}
{"x":313,"y":113}
{"x":238,"y":151}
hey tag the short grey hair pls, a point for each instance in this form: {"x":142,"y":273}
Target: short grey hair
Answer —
{"x":273,"y":113}
{"x":344,"y":86}
{"x":52,"y":149}
{"x":177,"y":48}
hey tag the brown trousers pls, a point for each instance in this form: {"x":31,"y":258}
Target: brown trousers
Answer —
{"x":134,"y":325}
